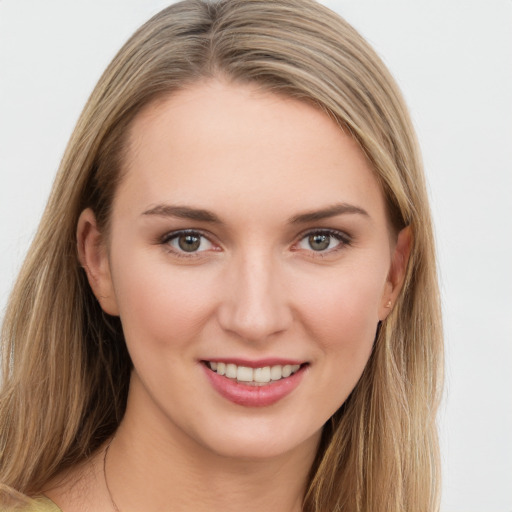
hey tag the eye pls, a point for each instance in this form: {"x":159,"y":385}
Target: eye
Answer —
{"x":187,"y":242}
{"x":323,"y":241}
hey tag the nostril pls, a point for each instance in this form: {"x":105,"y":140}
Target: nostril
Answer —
{"x":254,"y":322}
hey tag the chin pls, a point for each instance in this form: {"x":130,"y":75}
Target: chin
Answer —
{"x":259,"y":441}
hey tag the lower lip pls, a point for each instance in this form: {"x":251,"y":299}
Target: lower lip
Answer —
{"x":254,"y":396}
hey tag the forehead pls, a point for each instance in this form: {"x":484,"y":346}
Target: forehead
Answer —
{"x":230,"y":145}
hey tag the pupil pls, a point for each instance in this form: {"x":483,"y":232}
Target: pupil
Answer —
{"x":319,"y":242}
{"x":189,"y":243}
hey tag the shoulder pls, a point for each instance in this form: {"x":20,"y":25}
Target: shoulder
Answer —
{"x":77,"y":489}
{"x":41,"y":504}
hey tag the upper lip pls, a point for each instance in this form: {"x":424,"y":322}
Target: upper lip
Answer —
{"x":256,"y":363}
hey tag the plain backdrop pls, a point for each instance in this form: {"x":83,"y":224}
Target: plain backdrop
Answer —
{"x":453,"y":61}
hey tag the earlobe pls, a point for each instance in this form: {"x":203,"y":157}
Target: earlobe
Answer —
{"x":397,"y":271}
{"x":93,"y":256}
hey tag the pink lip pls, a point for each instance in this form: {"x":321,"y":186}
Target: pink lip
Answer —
{"x":253,"y":396}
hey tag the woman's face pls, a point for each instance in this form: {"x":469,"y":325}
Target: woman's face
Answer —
{"x":248,"y":237}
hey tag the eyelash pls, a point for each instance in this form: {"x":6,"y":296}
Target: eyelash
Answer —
{"x":343,"y":239}
{"x":175,"y":235}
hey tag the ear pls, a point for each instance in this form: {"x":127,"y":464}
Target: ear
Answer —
{"x":397,"y":271}
{"x":93,"y":256}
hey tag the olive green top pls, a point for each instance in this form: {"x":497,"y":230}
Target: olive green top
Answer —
{"x":41,"y":504}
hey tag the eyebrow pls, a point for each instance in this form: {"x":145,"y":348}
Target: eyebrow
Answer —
{"x":183,"y":212}
{"x":325,"y":213}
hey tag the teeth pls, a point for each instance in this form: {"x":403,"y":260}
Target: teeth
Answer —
{"x":256,"y":375}
{"x":231,"y":371}
{"x":276,"y":372}
{"x":262,"y":375}
{"x":244,"y":374}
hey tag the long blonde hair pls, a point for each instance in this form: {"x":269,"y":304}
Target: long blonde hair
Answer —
{"x":65,"y":365}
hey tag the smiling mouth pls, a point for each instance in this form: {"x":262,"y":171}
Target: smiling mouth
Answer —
{"x":253,"y":376}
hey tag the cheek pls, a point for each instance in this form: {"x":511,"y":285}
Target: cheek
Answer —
{"x":159,"y":304}
{"x":341,"y":311}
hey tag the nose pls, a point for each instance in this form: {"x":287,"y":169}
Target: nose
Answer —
{"x":255,"y":305}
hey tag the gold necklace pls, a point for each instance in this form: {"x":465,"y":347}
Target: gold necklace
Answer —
{"x":116,"y":508}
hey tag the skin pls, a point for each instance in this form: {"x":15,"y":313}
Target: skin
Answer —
{"x":255,"y":288}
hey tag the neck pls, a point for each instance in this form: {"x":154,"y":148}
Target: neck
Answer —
{"x":152,"y":464}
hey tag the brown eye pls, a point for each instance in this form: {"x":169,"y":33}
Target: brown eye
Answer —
{"x":319,"y":242}
{"x":324,"y":241}
{"x":188,"y":242}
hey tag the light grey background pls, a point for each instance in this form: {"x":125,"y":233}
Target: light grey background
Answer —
{"x":453,"y":60}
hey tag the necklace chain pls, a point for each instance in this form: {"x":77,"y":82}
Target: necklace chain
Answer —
{"x":116,"y":508}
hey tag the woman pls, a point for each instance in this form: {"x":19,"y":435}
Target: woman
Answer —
{"x":232,"y":299}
